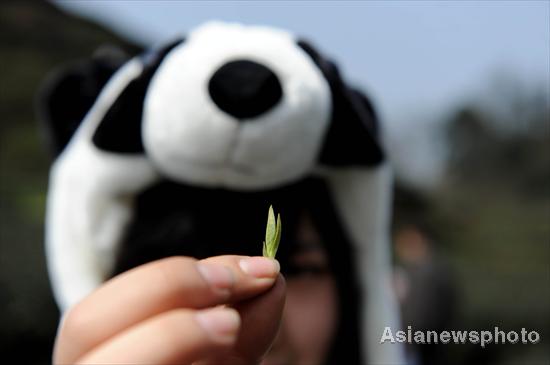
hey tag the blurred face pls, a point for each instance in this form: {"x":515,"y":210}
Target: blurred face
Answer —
{"x":310,"y":315}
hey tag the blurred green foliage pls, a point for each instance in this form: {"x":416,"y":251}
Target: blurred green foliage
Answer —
{"x":490,"y":216}
{"x":497,"y":191}
{"x":497,"y":196}
{"x":35,"y":37}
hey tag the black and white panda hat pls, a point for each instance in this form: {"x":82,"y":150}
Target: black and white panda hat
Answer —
{"x":230,"y":115}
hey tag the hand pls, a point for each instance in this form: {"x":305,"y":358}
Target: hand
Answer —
{"x":168,"y":311}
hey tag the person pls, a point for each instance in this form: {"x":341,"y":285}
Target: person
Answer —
{"x":226,"y":309}
{"x":164,"y":161}
{"x":426,"y":288}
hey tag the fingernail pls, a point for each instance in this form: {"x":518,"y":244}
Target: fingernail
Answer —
{"x":221,"y":324}
{"x":260,"y":267}
{"x":218,"y":276}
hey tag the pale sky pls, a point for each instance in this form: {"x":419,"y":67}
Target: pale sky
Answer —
{"x":416,"y":59}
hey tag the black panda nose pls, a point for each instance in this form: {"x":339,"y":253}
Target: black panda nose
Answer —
{"x":244,"y":89}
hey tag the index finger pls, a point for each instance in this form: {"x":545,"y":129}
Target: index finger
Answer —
{"x":177,"y":282}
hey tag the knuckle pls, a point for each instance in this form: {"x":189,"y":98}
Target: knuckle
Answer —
{"x":76,"y":323}
{"x":172,"y":326}
{"x":173,"y":275}
{"x":170,"y":269}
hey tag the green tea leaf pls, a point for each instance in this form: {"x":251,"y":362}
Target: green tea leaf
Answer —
{"x":277,"y":235}
{"x":272,"y":234}
{"x":264,"y":250}
{"x":270,"y":228}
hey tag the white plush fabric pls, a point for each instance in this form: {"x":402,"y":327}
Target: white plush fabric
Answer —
{"x":89,"y":202}
{"x":190,"y":139}
{"x":363,"y":199}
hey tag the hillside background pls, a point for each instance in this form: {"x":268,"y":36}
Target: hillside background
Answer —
{"x":487,"y":221}
{"x":35,"y":38}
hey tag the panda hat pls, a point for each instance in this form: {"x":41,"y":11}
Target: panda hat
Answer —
{"x":181,"y":150}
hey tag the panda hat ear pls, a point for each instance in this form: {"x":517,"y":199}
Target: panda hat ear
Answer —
{"x":69,"y":92}
{"x":352,"y":137}
{"x":120,"y":128}
{"x":361,"y":184}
